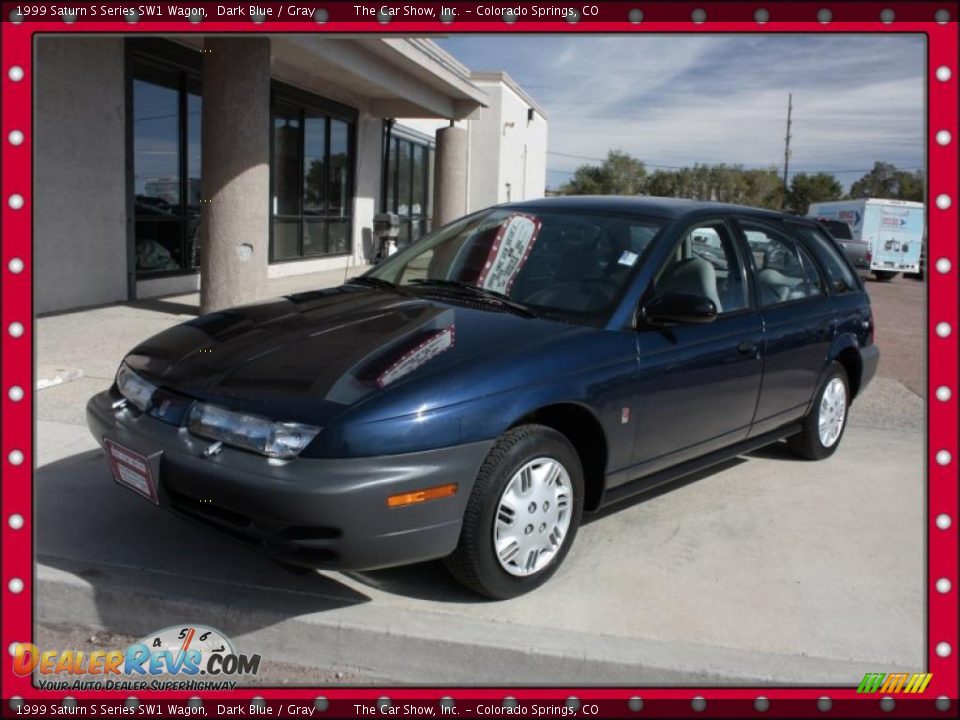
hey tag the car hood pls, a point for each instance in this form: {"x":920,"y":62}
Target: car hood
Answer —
{"x":308,"y":357}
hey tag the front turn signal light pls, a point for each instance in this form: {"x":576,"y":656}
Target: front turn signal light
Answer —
{"x":419,"y":496}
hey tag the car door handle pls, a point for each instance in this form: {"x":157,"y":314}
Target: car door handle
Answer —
{"x":747,"y":348}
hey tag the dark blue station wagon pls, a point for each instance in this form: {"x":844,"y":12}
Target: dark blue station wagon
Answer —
{"x":476,"y":392}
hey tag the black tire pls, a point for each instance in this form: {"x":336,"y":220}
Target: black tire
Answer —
{"x":474,"y":563}
{"x":884,"y":275}
{"x":807,"y":443}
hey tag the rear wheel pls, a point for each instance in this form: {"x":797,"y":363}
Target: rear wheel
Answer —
{"x":824,"y":425}
{"x":884,"y":275}
{"x":522,"y":516}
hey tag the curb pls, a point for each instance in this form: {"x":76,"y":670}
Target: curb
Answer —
{"x":409,"y":647}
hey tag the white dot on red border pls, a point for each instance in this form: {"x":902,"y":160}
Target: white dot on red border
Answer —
{"x":944,"y":265}
{"x":15,"y":137}
{"x":823,"y":17}
{"x":761,"y":704}
{"x":943,"y":521}
{"x":15,"y":457}
{"x":943,"y":137}
{"x":887,"y":16}
{"x":15,"y":73}
{"x":15,"y":521}
{"x":944,"y":585}
{"x":944,"y":457}
{"x":698,"y":16}
{"x":15,"y":393}
{"x":15,"y":586}
{"x":15,"y":201}
{"x":15,"y":265}
{"x":761,"y":16}
{"x":15,"y":329}
{"x":943,"y":73}
{"x":942,"y":16}
{"x":943,"y":329}
{"x":944,"y":393}
{"x":824,"y":704}
{"x":943,"y":649}
{"x":943,"y":703}
{"x":12,"y":648}
{"x":944,"y":201}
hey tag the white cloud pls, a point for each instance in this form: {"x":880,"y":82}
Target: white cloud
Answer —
{"x":677,"y":100}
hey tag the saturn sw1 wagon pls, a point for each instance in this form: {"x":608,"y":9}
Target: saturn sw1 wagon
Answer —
{"x":477,"y":392}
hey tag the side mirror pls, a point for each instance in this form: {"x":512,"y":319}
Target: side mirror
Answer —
{"x":679,"y":308}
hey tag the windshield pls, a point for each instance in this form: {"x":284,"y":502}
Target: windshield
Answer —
{"x":552,"y":262}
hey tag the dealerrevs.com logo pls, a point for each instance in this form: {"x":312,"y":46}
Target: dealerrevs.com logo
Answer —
{"x":187,"y":657}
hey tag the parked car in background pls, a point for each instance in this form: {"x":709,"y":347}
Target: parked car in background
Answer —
{"x":478,"y":391}
{"x":894,"y":230}
{"x":857,"y":251}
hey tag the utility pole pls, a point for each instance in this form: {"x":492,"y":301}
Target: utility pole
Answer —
{"x":786,"y":151}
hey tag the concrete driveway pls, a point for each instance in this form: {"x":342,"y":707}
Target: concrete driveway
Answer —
{"x":764,"y":570}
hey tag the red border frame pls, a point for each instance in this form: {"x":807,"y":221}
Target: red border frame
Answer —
{"x":658,"y":16}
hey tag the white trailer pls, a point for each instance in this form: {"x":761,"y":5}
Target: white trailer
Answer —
{"x":894,"y":230}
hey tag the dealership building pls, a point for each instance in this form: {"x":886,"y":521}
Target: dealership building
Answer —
{"x":166,"y":165}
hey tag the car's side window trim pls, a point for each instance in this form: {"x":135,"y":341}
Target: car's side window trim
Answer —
{"x":781,"y":229}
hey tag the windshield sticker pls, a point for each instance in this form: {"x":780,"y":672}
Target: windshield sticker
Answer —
{"x":436,"y":343}
{"x":510,"y":250}
{"x":628,"y":258}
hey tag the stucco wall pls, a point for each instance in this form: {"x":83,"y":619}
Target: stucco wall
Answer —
{"x":79,"y":214}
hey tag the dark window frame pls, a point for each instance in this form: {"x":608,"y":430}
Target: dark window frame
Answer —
{"x":303,"y":102}
{"x":188,"y":65}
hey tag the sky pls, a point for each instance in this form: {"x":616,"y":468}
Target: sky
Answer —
{"x":679,"y":100}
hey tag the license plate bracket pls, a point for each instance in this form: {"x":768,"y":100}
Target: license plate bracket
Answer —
{"x":133,"y":470}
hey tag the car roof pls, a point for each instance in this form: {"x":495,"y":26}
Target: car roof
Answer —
{"x":670,"y":208}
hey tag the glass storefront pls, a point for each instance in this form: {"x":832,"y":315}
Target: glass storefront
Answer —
{"x":407,"y":187}
{"x":311,"y":177}
{"x":165,"y":132}
{"x":312,"y":165}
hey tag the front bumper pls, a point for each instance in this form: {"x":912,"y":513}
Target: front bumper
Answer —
{"x":324,"y":513}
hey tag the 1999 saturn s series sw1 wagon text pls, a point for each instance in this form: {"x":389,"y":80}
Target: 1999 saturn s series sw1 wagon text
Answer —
{"x":472,"y":395}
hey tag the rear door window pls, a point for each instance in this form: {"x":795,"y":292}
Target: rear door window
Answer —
{"x":840,"y":275}
{"x":784,"y":273}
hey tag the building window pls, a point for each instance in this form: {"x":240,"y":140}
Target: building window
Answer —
{"x":165,"y":133}
{"x":311,"y":177}
{"x":407,"y":187}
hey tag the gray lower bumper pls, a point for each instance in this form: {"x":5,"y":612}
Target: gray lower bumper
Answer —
{"x":870,"y":356}
{"x":329,"y":513}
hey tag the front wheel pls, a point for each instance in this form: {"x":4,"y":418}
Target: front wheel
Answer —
{"x":824,"y":425}
{"x":522,"y":515}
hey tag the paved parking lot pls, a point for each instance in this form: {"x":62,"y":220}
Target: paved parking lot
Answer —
{"x":766,"y":569}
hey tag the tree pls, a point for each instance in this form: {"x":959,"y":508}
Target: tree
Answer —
{"x":806,"y":189}
{"x":886,"y":181}
{"x":619,"y":174}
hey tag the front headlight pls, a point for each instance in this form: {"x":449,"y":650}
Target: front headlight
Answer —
{"x":250,"y":432}
{"x":134,"y":388}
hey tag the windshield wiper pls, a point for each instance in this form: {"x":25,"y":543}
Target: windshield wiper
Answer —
{"x":478,"y":292}
{"x":376,"y":282}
